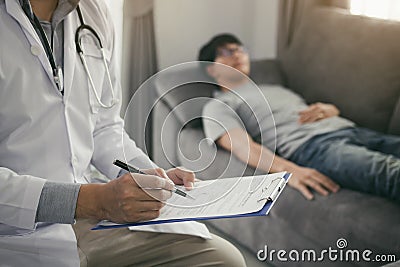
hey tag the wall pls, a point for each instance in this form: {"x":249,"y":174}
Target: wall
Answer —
{"x":182,"y":26}
{"x":116,"y":10}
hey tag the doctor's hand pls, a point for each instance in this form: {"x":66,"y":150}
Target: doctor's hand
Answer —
{"x":316,"y":112}
{"x":303,"y":179}
{"x":182,"y":176}
{"x":128,"y":198}
{"x":178,"y":175}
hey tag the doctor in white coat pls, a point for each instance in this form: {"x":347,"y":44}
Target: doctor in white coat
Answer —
{"x":56,"y":118}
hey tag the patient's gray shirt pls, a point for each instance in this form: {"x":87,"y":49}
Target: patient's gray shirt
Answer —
{"x":269,"y":113}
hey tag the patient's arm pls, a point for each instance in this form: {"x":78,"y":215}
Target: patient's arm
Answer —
{"x":318,"y":111}
{"x":257,"y":156}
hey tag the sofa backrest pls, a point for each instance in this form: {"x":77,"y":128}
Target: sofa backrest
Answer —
{"x":349,"y":60}
{"x":182,"y":93}
{"x":185,"y":89}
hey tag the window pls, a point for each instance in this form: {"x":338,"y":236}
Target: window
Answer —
{"x":384,"y":9}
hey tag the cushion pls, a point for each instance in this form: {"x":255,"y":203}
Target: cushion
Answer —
{"x":352,"y":61}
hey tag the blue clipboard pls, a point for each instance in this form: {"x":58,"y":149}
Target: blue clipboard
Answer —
{"x":263,"y":212}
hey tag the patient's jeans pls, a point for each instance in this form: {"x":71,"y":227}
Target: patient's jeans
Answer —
{"x":357,"y":159}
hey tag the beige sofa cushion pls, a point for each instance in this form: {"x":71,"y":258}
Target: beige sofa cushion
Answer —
{"x":351,"y":61}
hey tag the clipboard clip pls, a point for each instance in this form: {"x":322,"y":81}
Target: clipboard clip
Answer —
{"x":279,"y":185}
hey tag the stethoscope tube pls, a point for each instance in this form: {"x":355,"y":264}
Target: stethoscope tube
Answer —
{"x":80,"y":51}
{"x":57,"y":72}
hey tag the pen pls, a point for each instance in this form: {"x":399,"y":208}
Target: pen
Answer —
{"x":132,"y":169}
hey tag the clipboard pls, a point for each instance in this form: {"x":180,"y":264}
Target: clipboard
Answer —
{"x":267,"y":198}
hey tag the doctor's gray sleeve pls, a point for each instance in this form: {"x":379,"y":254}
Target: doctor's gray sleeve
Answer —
{"x":57,"y":203}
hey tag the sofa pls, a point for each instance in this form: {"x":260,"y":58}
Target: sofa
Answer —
{"x":350,"y":61}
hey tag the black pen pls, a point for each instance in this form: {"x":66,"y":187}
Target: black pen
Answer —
{"x":132,"y":169}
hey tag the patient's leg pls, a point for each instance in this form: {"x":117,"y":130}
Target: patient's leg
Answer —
{"x":341,"y":157}
{"x":388,"y":144}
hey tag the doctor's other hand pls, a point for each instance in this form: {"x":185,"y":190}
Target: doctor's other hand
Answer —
{"x":178,"y":175}
{"x":128,"y":198}
{"x":182,"y":176}
{"x":303,"y":179}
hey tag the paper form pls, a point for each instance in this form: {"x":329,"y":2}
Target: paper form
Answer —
{"x":221,"y":197}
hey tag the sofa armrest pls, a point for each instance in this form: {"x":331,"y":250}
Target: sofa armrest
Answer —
{"x":394,"y":126}
{"x":165,"y":131}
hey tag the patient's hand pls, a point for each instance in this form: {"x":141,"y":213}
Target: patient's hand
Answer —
{"x":317,"y":111}
{"x":304,"y":179}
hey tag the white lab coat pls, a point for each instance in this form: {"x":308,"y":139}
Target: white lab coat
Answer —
{"x":44,"y":135}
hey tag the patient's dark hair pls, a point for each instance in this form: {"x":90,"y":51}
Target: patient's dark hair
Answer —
{"x":209,"y":51}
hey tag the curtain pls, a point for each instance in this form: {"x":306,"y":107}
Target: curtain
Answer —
{"x":290,"y":14}
{"x":139,"y":63}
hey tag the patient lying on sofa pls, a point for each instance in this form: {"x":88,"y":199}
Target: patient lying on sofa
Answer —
{"x":321,"y":149}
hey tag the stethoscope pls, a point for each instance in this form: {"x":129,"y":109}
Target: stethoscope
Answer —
{"x":57,"y":71}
